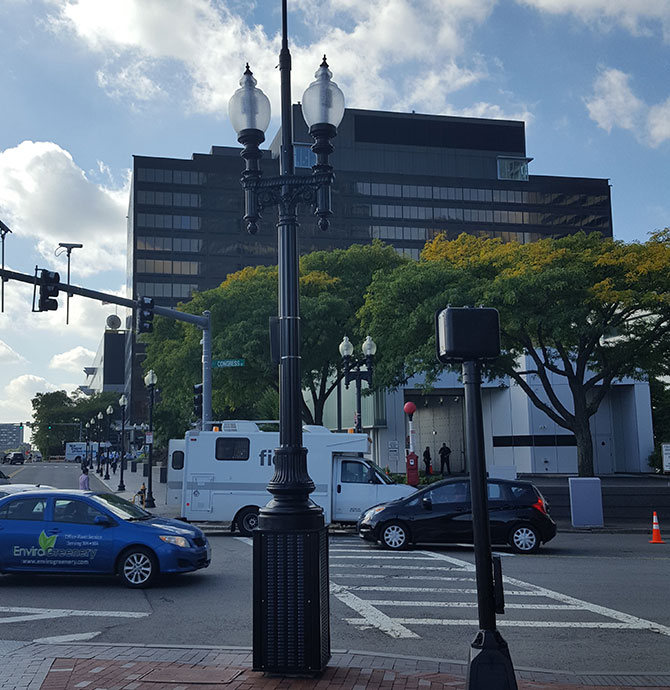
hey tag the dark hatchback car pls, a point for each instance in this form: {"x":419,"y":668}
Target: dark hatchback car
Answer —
{"x":14,"y":459}
{"x":441,"y":513}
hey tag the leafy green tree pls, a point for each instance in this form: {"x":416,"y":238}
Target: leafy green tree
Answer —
{"x":57,"y":418}
{"x":560,"y":301}
{"x":332,"y":289}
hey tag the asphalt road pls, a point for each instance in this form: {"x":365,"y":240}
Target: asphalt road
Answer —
{"x":587,"y":602}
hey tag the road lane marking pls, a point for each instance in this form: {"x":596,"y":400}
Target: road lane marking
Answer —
{"x":34,"y":614}
{"x":625,"y":620}
{"x":59,"y":639}
{"x":473,"y":623}
{"x":372,"y":617}
{"x":472,"y":604}
{"x":442,"y":590}
{"x":394,"y":567}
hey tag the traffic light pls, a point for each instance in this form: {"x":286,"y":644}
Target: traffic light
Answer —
{"x":49,"y":281}
{"x":145,"y":315}
{"x":197,"y":400}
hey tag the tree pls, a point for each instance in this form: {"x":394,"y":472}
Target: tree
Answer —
{"x":332,"y":289}
{"x":560,"y":301}
{"x":57,"y":418}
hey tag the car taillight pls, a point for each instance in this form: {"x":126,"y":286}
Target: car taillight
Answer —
{"x":540,"y":505}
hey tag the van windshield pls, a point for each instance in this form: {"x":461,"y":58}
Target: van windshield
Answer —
{"x":383,"y":477}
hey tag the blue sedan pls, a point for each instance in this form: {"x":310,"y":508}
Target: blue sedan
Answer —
{"x":57,"y":531}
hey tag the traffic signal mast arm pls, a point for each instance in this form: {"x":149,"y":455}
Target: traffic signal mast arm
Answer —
{"x":203,"y":322}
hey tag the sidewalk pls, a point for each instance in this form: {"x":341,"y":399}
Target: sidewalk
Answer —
{"x":35,"y":666}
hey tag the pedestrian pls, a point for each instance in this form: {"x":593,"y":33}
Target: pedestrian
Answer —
{"x":444,"y":454}
{"x":427,"y":461}
{"x":84,"y":483}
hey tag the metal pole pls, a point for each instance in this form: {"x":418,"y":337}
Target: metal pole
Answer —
{"x":290,"y":589}
{"x":490,"y":666}
{"x":109,"y":433}
{"x":358,"y":427}
{"x":150,"y":502}
{"x":206,"y":372}
{"x":122,"y":486}
{"x":67,"y":301}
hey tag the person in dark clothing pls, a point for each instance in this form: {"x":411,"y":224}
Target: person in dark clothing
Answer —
{"x":444,"y":454}
{"x":427,"y":461}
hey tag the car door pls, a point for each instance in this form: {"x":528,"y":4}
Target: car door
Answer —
{"x":355,"y":490}
{"x":23,"y":542}
{"x":83,"y":536}
{"x":501,"y":504}
{"x":444,"y":514}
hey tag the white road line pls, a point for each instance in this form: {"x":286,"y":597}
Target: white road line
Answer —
{"x":391,"y":558}
{"x":432,"y":590}
{"x":432,"y":578}
{"x":59,"y":639}
{"x":33,"y":614}
{"x":472,"y":604}
{"x":372,"y":617}
{"x":627,"y":620}
{"x":393,"y":567}
{"x":509,"y":624}
{"x":246,"y":540}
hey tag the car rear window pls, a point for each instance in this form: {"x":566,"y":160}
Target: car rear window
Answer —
{"x":523,"y":493}
{"x":24,"y":509}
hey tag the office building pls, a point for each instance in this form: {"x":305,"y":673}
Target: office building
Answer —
{"x":400,"y":177}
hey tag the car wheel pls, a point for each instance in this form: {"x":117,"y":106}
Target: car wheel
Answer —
{"x":524,"y":539}
{"x":247,"y":521}
{"x":138,"y":567}
{"x":394,"y":536}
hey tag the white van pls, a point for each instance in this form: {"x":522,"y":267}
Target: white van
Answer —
{"x":225,"y":474}
{"x":175,"y":471}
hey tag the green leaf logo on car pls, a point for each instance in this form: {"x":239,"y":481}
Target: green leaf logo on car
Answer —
{"x":47,"y":543}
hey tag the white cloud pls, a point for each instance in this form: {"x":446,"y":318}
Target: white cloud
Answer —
{"x":614,"y":104}
{"x":44,"y":195}
{"x":658,"y":123}
{"x":9,"y":356}
{"x":73,"y":360}
{"x":150,"y":46}
{"x":15,"y":404}
{"x":639,"y":17}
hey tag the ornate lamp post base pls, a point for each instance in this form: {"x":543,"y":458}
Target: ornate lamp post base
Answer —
{"x":291,"y":601}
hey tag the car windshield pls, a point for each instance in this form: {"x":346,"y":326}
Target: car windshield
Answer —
{"x":121,"y":508}
{"x":382,"y":475}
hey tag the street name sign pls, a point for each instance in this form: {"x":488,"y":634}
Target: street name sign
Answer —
{"x":224,"y":363}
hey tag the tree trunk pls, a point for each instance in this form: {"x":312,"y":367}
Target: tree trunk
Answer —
{"x":584,"y":447}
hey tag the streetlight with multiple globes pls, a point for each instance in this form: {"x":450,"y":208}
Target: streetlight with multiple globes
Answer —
{"x":100,"y":418}
{"x":353,"y":371}
{"x":291,"y":541}
{"x":88,"y":438}
{"x":110,"y":412}
{"x":150,"y":381}
{"x":123,"y":401}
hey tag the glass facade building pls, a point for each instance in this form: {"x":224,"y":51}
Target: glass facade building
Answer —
{"x":400,"y":177}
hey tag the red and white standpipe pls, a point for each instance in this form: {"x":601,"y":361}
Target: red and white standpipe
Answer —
{"x":412,"y":460}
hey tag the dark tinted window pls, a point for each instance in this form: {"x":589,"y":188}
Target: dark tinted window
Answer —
{"x":232,"y":449}
{"x":24,"y":509}
{"x":178,"y":460}
{"x":499,"y":492}
{"x":70,"y":510}
{"x":523,"y":493}
{"x":458,"y":492}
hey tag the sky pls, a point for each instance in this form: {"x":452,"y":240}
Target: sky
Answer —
{"x":87,"y":84}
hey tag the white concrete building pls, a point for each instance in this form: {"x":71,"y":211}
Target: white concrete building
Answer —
{"x":519,"y":438}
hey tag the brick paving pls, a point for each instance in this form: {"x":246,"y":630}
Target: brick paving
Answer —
{"x":34,"y":666}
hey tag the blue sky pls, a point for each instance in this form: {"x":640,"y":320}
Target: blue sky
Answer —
{"x":86,"y":84}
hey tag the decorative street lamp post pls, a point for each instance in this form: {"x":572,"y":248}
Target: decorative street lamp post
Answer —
{"x":88,"y":439}
{"x":291,"y":614}
{"x":353,"y":371}
{"x":100,"y":418}
{"x":123,"y":401}
{"x":110,"y":412}
{"x":150,"y":381}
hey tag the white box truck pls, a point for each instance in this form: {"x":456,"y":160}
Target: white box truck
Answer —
{"x":223,"y":475}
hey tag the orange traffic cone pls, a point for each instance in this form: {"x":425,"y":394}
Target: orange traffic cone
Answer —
{"x":656,"y":532}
